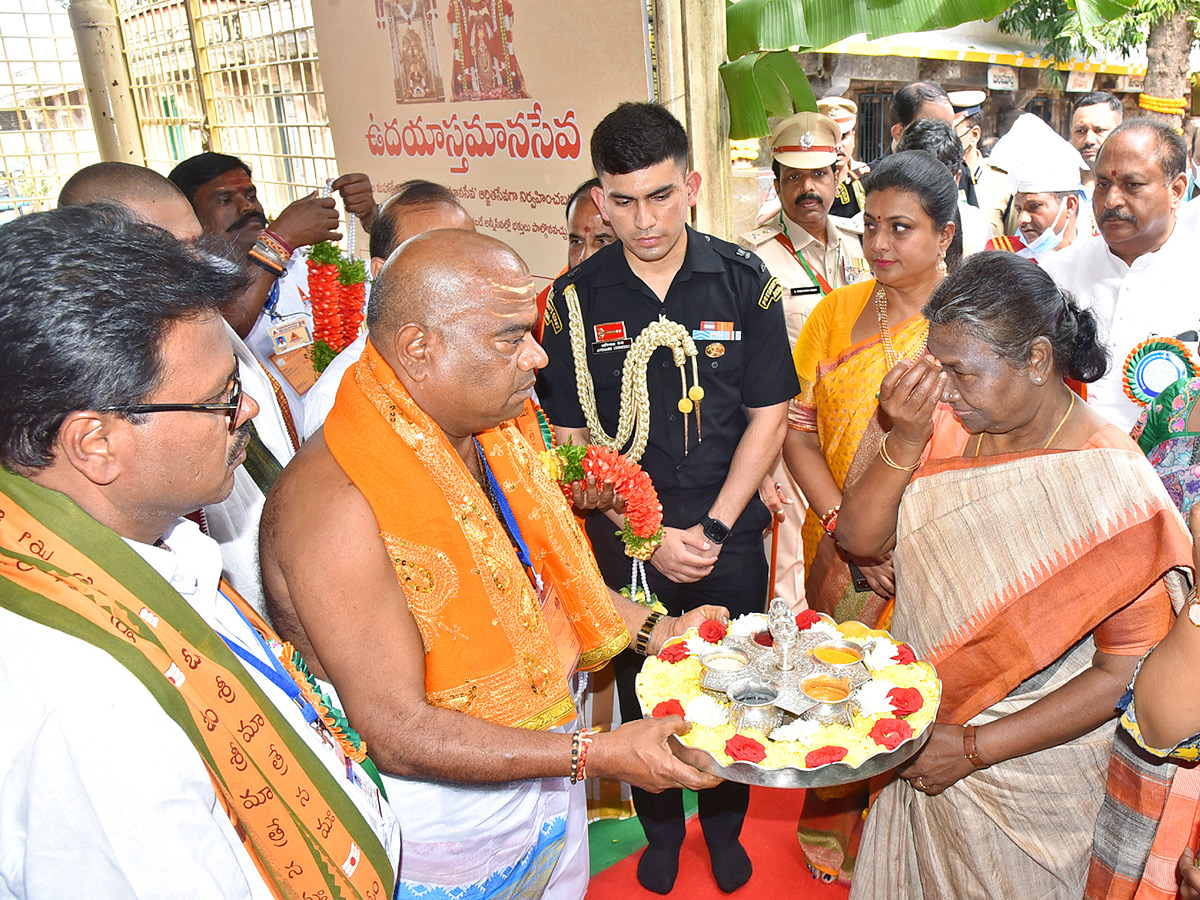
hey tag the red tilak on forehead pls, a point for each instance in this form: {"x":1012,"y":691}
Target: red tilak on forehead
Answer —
{"x":1113,"y":173}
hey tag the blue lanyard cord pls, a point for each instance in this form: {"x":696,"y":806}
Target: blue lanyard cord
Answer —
{"x":510,"y":521}
{"x":272,"y":301}
{"x":277,"y":674}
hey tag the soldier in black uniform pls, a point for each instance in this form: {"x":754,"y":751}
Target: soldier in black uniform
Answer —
{"x":706,"y":464}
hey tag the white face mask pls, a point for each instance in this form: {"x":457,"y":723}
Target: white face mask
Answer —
{"x":1047,"y":240}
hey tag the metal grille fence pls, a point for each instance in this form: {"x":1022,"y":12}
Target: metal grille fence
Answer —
{"x":45,"y":127}
{"x":236,"y":76}
{"x":244,"y":73}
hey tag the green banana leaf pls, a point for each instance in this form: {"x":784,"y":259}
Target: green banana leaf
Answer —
{"x":755,"y":77}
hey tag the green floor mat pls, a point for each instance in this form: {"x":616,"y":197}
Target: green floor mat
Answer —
{"x":611,"y":840}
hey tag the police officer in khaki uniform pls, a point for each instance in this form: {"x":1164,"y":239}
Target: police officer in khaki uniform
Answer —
{"x":850,"y":197}
{"x":811,"y":253}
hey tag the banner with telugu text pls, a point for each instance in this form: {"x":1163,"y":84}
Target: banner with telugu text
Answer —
{"x":496,"y":99}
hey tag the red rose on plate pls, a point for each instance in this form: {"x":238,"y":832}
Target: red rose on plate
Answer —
{"x":807,"y":618}
{"x":712,"y":631}
{"x":674,"y":653}
{"x":891,"y":733}
{"x":823,"y":755}
{"x":670,"y":707}
{"x":744,"y":748}
{"x":905,"y":701}
{"x":905,"y":655}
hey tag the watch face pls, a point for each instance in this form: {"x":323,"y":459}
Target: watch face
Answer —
{"x":716,"y":530}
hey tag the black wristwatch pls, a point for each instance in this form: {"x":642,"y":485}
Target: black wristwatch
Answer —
{"x":716,"y":530}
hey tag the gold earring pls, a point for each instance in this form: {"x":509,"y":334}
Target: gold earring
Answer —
{"x":940,"y":268}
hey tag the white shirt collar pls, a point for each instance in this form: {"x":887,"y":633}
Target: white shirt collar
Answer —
{"x":189,"y":561}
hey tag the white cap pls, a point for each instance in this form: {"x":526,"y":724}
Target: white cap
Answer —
{"x":1036,"y":158}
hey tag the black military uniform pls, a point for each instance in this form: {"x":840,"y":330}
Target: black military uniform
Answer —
{"x":850,"y":197}
{"x":729,"y":302}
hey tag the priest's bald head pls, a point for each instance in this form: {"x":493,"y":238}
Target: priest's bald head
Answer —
{"x":452,"y":312}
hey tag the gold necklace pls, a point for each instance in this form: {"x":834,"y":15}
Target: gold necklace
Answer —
{"x":1053,"y":435}
{"x":885,"y":336}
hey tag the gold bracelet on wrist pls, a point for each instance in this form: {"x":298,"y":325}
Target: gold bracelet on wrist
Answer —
{"x":883,"y":454}
{"x":643,"y":635}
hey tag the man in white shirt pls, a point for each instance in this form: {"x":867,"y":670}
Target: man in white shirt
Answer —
{"x":1134,"y":274}
{"x":223,"y":194}
{"x":139,"y":756}
{"x":233,"y":522}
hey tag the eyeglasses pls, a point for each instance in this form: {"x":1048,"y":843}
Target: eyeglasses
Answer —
{"x":231,"y":407}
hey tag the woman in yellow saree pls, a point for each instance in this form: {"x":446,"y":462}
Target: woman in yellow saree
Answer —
{"x":849,"y":342}
{"x":1037,"y":556}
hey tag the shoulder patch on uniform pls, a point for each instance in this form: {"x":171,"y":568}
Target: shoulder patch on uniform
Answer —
{"x":772,"y":292}
{"x":551,"y":317}
{"x":752,"y":240}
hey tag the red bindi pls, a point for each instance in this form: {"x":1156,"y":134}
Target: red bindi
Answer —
{"x":1113,"y":173}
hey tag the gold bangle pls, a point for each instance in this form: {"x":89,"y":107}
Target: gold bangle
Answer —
{"x":883,"y":454}
{"x":643,"y":635}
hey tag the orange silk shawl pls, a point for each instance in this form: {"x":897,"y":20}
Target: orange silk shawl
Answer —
{"x":488,"y":650}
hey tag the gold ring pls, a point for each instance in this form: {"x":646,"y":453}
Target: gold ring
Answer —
{"x":920,"y":783}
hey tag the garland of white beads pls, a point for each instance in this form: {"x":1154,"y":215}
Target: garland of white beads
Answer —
{"x":634,"y":419}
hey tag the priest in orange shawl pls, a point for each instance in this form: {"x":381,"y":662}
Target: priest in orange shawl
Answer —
{"x":435,"y":575}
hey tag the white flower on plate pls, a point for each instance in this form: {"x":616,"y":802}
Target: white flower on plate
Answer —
{"x":872,"y":698}
{"x":705,"y":711}
{"x":879,"y":653}
{"x":698,"y":646}
{"x":799,"y":730}
{"x":748,"y":625}
{"x":826,"y":628}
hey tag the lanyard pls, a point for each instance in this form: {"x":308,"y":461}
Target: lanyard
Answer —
{"x":510,"y":521}
{"x":277,"y":674}
{"x":817,"y":279}
{"x":272,"y":301}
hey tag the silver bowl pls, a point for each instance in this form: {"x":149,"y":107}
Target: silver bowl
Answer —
{"x":754,"y":706}
{"x":720,"y":668}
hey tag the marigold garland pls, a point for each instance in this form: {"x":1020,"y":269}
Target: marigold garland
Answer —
{"x":334,"y":719}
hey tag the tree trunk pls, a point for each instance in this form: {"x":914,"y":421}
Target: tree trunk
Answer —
{"x":1167,"y":51}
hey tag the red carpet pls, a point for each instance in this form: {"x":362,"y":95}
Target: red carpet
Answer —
{"x":769,"y":836}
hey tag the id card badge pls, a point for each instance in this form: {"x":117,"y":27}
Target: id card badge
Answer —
{"x":289,"y":334}
{"x":562,"y":633}
{"x":296,"y":367}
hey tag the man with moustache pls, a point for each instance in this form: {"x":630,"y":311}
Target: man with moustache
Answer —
{"x":232,"y":522}
{"x":1130,"y":274}
{"x":222,"y":192}
{"x":707,"y":473}
{"x":811,"y":253}
{"x":1093,"y":119}
{"x":157,"y":743}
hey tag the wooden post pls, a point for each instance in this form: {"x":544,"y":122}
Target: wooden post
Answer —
{"x":106,"y":78}
{"x":690,"y":45}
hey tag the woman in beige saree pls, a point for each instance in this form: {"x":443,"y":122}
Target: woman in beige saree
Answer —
{"x":1035,"y":551}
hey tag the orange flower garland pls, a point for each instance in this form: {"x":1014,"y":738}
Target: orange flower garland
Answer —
{"x":642,"y":531}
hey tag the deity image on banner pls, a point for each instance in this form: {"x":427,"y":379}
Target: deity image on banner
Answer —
{"x":485,"y":64}
{"x":415,"y":68}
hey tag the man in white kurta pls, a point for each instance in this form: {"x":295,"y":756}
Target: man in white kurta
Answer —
{"x":1135,"y":274}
